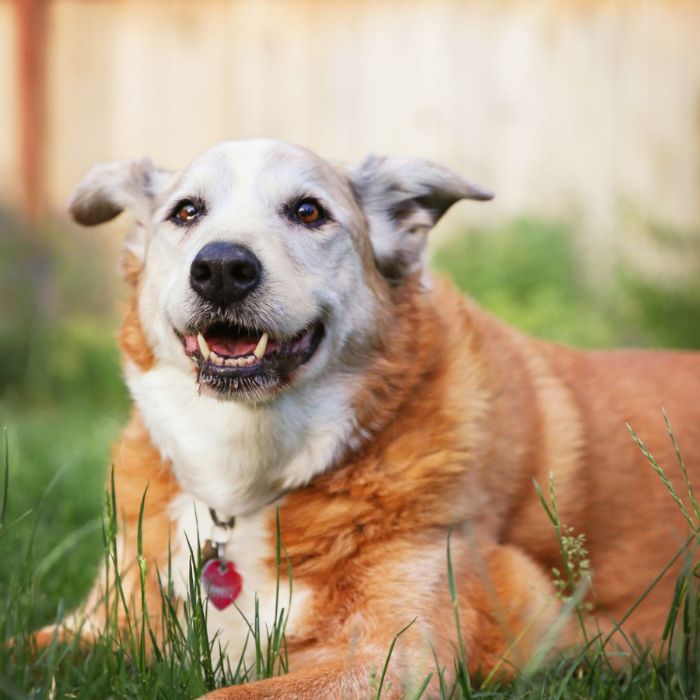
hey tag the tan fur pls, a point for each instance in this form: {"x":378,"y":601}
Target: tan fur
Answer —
{"x":458,"y":415}
{"x":131,"y":338}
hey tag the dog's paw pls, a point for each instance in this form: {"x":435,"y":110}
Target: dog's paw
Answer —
{"x":238,"y":692}
{"x":60,"y":634}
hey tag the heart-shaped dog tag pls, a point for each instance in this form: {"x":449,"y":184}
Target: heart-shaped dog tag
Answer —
{"x":221,"y":582}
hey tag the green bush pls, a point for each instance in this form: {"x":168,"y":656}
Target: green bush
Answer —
{"x":57,"y":322}
{"x":527,"y":274}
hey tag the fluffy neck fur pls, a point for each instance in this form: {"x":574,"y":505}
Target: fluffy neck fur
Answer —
{"x":237,"y":458}
{"x":421,"y":399}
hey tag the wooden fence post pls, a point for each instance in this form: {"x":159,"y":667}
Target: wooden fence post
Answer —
{"x":31,"y":47}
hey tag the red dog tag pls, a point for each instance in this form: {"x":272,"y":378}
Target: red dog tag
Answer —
{"x":221,"y":582}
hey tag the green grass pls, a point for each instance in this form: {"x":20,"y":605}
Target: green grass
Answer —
{"x":63,"y":402}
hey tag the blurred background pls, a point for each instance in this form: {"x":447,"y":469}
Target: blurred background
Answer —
{"x":582,"y":115}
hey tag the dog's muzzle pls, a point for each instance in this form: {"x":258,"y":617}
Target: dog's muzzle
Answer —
{"x":233,"y":355}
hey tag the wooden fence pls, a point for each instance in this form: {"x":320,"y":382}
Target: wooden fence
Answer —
{"x":586,"y":112}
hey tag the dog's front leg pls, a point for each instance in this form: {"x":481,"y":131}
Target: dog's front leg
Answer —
{"x":139,"y":475}
{"x":329,"y":680}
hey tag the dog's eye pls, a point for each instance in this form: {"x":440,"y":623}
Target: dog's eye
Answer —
{"x":185,"y":212}
{"x":309,"y":212}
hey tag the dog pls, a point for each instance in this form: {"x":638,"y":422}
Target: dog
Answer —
{"x":296,"y":371}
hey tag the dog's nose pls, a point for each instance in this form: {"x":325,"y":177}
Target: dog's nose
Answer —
{"x":223,"y":273}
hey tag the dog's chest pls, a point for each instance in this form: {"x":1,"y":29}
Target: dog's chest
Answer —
{"x":236,"y":458}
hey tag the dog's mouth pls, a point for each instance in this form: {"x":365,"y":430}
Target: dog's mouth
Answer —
{"x":232,"y":359}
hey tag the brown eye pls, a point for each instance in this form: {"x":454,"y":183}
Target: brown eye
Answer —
{"x":185,"y":212}
{"x":308,"y":212}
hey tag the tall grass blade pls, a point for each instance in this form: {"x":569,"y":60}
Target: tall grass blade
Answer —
{"x":577,"y":593}
{"x":5,"y":479}
{"x":442,"y":682}
{"x":388,"y":657}
{"x":198,"y":621}
{"x":276,"y":655}
{"x":461,"y":666}
{"x":144,"y":626}
{"x":65,"y":546}
{"x":664,"y":479}
{"x":681,"y":464}
{"x":423,"y":687}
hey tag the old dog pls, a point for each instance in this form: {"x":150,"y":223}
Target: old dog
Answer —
{"x":291,"y":359}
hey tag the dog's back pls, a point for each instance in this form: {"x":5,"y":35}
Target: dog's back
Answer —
{"x":569,"y":413}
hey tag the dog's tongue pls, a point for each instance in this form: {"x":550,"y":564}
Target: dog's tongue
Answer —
{"x":224,"y":347}
{"x":232,"y":347}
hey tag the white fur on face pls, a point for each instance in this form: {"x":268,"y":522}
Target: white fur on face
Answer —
{"x":307,"y":274}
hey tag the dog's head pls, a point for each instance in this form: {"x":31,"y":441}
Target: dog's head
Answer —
{"x":264,"y":266}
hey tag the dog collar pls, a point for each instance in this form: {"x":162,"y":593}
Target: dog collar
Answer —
{"x":215,"y":546}
{"x":220,"y":579}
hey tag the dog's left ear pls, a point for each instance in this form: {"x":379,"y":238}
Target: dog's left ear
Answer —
{"x":110,"y":188}
{"x":403,"y":199}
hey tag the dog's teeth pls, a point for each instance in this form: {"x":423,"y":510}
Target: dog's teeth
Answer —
{"x":216,"y":359}
{"x":259,"y":351}
{"x":203,"y":347}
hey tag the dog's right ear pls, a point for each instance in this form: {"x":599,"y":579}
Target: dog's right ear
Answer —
{"x":110,"y":188}
{"x":403,"y":199}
